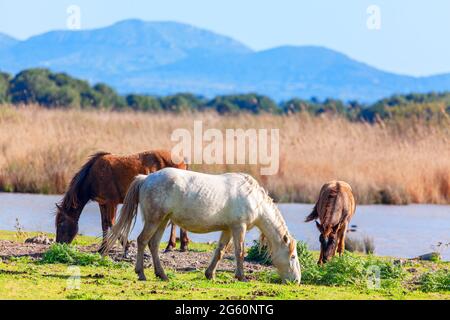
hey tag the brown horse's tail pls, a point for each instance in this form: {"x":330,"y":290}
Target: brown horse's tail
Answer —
{"x":313,"y":215}
{"x":128,"y":213}
{"x":74,"y":197}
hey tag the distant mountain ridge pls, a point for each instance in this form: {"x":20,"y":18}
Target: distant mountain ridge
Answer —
{"x":6,"y":41}
{"x":168,"y":57}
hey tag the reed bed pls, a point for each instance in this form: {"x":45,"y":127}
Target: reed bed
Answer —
{"x":394,"y":163}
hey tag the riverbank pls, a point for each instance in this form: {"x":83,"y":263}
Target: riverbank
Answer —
{"x":393,"y":163}
{"x":396,"y":231}
{"x":25,"y":275}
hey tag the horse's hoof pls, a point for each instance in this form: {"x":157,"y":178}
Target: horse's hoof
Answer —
{"x":142,"y":277}
{"x":169,"y":249}
{"x":163,"y":277}
{"x":184,"y":249}
{"x":241,"y":278}
{"x":209,"y":275}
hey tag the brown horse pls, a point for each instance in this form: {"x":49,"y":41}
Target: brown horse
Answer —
{"x":334,"y":209}
{"x":105,"y":178}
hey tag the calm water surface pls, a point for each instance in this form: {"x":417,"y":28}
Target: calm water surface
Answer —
{"x":401,"y":231}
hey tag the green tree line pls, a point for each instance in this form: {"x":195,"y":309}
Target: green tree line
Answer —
{"x":59,"y":90}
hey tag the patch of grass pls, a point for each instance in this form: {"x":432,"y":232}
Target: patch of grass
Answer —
{"x":68,"y":254}
{"x":435,"y":281}
{"x":269,"y":277}
{"x":308,"y":263}
{"x":21,"y":259}
{"x":82,"y":240}
{"x":79,"y":240}
{"x":341,"y":271}
{"x":390,"y":273}
{"x":84,"y":296}
{"x":194,"y":246}
{"x":346,"y":270}
{"x":259,"y":253}
{"x":351,"y":269}
{"x":435,"y":257}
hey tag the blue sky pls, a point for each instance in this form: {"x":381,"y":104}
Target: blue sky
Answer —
{"x":413,"y":39}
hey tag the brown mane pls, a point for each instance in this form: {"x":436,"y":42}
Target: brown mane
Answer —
{"x":71,"y":197}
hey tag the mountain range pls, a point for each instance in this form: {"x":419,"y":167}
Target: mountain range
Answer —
{"x":161,"y":58}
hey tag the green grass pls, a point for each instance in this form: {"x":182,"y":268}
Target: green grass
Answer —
{"x":348,"y":269}
{"x":258,"y":253}
{"x":79,"y":240}
{"x":342,"y":278}
{"x":435,"y":281}
{"x":26,"y":280}
{"x":68,"y":254}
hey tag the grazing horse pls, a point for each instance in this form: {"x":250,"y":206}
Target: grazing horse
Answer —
{"x":334,"y":209}
{"x":105,"y":178}
{"x":231,"y":203}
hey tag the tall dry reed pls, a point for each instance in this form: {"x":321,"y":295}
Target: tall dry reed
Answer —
{"x":401,"y":162}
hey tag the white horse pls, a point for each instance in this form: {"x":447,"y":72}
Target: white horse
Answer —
{"x":232,"y":203}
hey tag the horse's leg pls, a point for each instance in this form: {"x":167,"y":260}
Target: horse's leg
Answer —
{"x":218,"y":254}
{"x":108,"y":212}
{"x":142,"y":241}
{"x":154,"y":249}
{"x":320,"y":262}
{"x":238,"y":239}
{"x":342,"y":234}
{"x":112,"y":212}
{"x":184,"y":239}
{"x":105,"y":226}
{"x":125,"y":244}
{"x":173,"y":238}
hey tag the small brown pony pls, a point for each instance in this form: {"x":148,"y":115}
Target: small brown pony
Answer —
{"x":105,"y":178}
{"x":334,"y":209}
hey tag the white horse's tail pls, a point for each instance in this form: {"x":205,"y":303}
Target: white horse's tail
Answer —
{"x":128,"y":213}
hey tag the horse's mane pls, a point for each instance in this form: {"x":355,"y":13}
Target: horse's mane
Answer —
{"x":71,"y":198}
{"x":328,"y":199}
{"x":255,"y":187}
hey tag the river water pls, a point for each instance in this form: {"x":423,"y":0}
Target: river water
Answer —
{"x":400,"y":231}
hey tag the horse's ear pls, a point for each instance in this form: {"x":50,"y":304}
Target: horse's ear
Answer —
{"x":286,"y":238}
{"x":318,"y":225}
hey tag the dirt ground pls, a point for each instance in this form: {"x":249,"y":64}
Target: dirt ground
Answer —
{"x":176,"y":260}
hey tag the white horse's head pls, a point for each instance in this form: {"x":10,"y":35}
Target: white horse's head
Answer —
{"x":285,"y":259}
